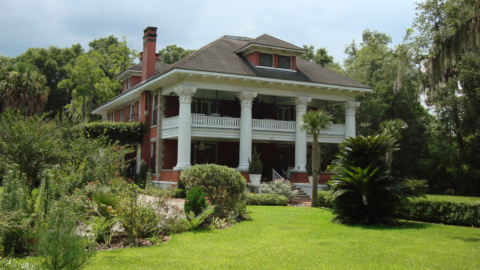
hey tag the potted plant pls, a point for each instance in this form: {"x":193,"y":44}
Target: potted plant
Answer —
{"x":309,"y":171}
{"x":255,"y":168}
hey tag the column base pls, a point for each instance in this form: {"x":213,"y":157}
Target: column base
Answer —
{"x":181,"y":167}
{"x":242,"y":168}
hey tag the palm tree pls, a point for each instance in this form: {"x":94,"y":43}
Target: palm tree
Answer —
{"x":392,"y":128}
{"x":313,"y":122}
{"x":22,"y":87}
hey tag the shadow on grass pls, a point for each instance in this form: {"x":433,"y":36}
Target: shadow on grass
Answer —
{"x":401,"y":225}
{"x":468,"y":239}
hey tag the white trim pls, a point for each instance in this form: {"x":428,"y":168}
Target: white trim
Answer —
{"x":279,"y":69}
{"x":270,"y":47}
{"x":145,"y":84}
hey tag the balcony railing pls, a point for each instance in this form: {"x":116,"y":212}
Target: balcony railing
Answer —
{"x":267,"y":125}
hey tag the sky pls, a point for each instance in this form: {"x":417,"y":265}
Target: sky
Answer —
{"x":191,"y":24}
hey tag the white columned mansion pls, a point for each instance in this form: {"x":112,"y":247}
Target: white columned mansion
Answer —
{"x":229,"y":96}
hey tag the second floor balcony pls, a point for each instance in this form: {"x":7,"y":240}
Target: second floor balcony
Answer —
{"x":262,"y":129}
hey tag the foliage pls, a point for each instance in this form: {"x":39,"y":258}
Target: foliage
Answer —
{"x":363,"y":190}
{"x":195,"y":201}
{"x":124,"y":133}
{"x":14,"y":264}
{"x":281,"y":187}
{"x":139,"y":221}
{"x":192,"y":222}
{"x":451,"y":213}
{"x":15,"y":193}
{"x":173,"y":53}
{"x":313,"y":122}
{"x":33,"y":143}
{"x":414,"y":187}
{"x":222,"y":185}
{"x":267,"y":199}
{"x":101,"y":229}
{"x":321,"y":57}
{"x":180,"y":193}
{"x":141,"y":177}
{"x":325,"y":199}
{"x":22,"y":87}
{"x":59,"y":245}
{"x":255,"y":165}
{"x":16,"y":232}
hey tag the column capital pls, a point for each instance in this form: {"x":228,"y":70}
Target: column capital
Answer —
{"x":351,"y":107}
{"x":246,"y":98}
{"x":302,"y":100}
{"x":185,"y":93}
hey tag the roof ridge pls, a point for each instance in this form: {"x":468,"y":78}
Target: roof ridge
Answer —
{"x":195,"y":53}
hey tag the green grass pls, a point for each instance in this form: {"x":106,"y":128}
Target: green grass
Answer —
{"x":459,"y":199}
{"x":305,"y":238}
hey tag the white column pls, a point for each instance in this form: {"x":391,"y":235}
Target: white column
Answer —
{"x":300,"y":135}
{"x":246,"y":99}
{"x":350,"y":108}
{"x":185,"y":94}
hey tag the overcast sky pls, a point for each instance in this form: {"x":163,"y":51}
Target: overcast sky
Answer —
{"x":194,"y":23}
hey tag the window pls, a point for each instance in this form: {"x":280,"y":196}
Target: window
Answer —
{"x":153,"y":154}
{"x":132,"y":112}
{"x":154,"y":110}
{"x":283,"y":113}
{"x":121,"y":115}
{"x":208,"y":107}
{"x":284,"y":62}
{"x":266,"y":60}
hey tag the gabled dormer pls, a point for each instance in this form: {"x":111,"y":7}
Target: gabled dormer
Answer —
{"x":271,"y":53}
{"x":130,"y":77}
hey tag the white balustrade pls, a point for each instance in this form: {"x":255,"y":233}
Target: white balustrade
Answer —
{"x":257,"y":124}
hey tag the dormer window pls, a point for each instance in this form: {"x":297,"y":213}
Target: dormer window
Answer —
{"x":284,"y":62}
{"x":266,"y":60}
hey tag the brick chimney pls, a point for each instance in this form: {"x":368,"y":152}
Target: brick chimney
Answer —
{"x":148,"y":57}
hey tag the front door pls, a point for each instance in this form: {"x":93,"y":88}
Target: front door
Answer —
{"x":283,"y":159}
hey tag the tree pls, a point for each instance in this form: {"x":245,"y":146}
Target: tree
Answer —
{"x":173,"y":53}
{"x":23,"y":88}
{"x":321,"y":57}
{"x":313,"y":122}
{"x":392,"y":128}
{"x":116,"y":53}
{"x":88,"y":84}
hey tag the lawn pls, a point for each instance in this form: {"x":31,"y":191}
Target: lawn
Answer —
{"x":304,"y":238}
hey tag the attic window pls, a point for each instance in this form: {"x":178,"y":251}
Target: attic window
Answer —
{"x":284,"y":62}
{"x":266,"y":60}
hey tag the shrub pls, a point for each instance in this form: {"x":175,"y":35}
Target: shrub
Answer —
{"x":266,"y":199}
{"x":255,"y":165}
{"x":325,"y":199}
{"x":195,"y":201}
{"x":141,"y":177}
{"x":124,"y":133}
{"x":363,"y":190}
{"x":191,"y":222}
{"x":452,"y":213}
{"x":15,"y":192}
{"x":179,"y":193}
{"x":14,"y":264}
{"x":281,"y":187}
{"x":59,"y":246}
{"x":16,"y":232}
{"x":222,"y":185}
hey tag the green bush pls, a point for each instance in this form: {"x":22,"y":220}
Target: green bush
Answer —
{"x":195,"y":201}
{"x":281,"y":187}
{"x":14,"y":264}
{"x":59,"y":245}
{"x":179,"y":193}
{"x":15,"y":193}
{"x":124,"y":133}
{"x":266,"y":199}
{"x":451,"y":213}
{"x":16,"y":232}
{"x":222,"y":185}
{"x":325,"y":199}
{"x":141,"y":177}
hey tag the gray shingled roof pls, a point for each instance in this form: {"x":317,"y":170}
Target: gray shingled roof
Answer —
{"x":267,"y":40}
{"x":220,"y":57}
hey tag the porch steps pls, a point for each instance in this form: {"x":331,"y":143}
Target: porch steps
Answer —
{"x":301,"y":195}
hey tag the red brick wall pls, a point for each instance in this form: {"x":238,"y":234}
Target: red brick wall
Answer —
{"x":169,"y":154}
{"x":135,"y":80}
{"x":254,"y":58}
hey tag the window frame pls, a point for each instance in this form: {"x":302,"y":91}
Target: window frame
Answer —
{"x":289,"y":61}
{"x":272,"y":59}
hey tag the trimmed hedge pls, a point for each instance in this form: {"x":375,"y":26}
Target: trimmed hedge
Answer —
{"x":266,"y":199}
{"x":124,"y":133}
{"x":425,"y":210}
{"x":451,"y":213}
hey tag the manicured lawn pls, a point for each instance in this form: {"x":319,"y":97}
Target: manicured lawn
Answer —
{"x":448,"y":198}
{"x":304,"y":238}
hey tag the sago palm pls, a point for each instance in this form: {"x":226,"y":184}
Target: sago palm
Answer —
{"x":313,"y":122}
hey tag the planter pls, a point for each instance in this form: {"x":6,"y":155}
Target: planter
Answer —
{"x":323,"y":178}
{"x":310,"y":179}
{"x":255,"y":179}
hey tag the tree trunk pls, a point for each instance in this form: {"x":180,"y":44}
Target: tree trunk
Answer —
{"x":315,"y":168}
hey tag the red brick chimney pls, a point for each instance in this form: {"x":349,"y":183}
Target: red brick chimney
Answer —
{"x":148,"y":56}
